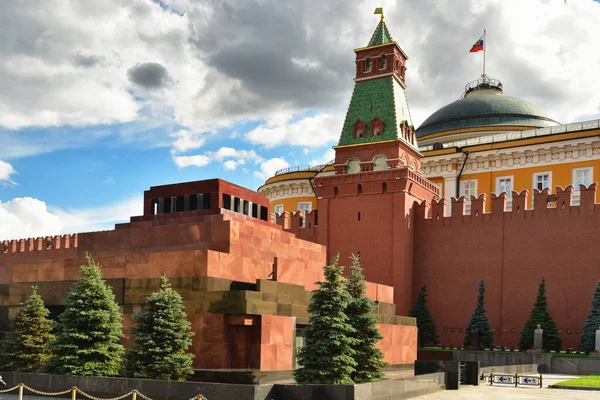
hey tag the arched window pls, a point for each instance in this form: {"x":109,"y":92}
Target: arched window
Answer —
{"x":359,"y":189}
{"x":353,"y":166}
{"x":382,"y":62}
{"x":384,"y":187}
{"x":368,"y":64}
{"x":380,"y":163}
{"x":335,"y":192}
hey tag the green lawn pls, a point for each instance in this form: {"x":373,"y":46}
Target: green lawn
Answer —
{"x":591,"y":380}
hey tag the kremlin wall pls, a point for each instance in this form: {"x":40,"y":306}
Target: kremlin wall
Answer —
{"x":245,"y":263}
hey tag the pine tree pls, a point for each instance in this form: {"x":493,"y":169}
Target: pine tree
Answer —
{"x":587,"y":341}
{"x":327,"y":357}
{"x":425,"y":324}
{"x":89,"y":330}
{"x":24,"y":347}
{"x":360,"y":311}
{"x":162,"y":337}
{"x":479,"y":323}
{"x":540,"y":315}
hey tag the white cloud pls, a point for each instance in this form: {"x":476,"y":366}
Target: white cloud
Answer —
{"x":228,"y":152}
{"x":6,"y":170}
{"x":100,"y":218}
{"x":27,"y":217}
{"x":222,"y":65}
{"x":109,"y":180}
{"x":330,"y":155}
{"x":186,"y":140}
{"x":269,"y":167}
{"x":189,"y":161}
{"x":201,"y":160}
{"x":312,"y":131}
{"x":231,"y":165}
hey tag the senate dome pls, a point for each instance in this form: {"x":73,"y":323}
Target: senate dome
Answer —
{"x":481,"y":110}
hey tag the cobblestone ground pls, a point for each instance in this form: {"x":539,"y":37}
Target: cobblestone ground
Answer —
{"x":510,"y":392}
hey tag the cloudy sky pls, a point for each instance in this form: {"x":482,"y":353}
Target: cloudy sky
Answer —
{"x":99,"y":100}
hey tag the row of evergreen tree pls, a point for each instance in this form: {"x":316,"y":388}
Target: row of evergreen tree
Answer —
{"x":340,"y":340}
{"x":479,"y":324}
{"x":86,"y":338}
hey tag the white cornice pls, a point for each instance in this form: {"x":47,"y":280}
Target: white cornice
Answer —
{"x":287,"y":189}
{"x":553,"y":153}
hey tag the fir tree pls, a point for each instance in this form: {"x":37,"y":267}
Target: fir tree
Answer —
{"x":327,"y":357}
{"x":479,"y":323}
{"x":24,"y":347}
{"x":587,"y":341}
{"x":360,"y":311}
{"x":89,"y":330}
{"x":162,"y":337}
{"x":425,"y":324}
{"x":540,"y":315}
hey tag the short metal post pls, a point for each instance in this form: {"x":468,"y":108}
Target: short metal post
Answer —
{"x":516,"y":380}
{"x":73,"y":393}
{"x":134,"y":395}
{"x":540,"y":381}
{"x":20,"y":391}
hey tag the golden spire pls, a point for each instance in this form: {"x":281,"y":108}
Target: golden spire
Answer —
{"x":379,"y":10}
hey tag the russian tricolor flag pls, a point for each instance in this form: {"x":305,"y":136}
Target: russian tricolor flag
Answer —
{"x":477,"y":46}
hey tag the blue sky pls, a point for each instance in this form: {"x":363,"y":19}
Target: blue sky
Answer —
{"x":101,"y":100}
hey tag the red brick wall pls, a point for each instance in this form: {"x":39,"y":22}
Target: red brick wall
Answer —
{"x":511,"y":251}
{"x":384,"y":234}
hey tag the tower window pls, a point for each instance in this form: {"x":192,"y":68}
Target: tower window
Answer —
{"x":368,"y":64}
{"x":382,"y":62}
{"x":359,"y":129}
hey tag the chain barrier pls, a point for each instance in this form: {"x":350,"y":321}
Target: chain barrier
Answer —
{"x":9,"y":390}
{"x":74,"y":390}
{"x":44,"y":393}
{"x":89,"y":396}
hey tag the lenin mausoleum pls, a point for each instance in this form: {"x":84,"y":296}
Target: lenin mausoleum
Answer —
{"x":488,"y":187}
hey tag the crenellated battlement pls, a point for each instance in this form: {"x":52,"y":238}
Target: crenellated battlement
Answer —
{"x":301,"y":223}
{"x":38,"y":245}
{"x":544,"y":204}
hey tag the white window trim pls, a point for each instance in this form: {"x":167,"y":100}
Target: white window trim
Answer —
{"x":534,"y":182}
{"x":576,"y":199}
{"x":509,"y":194}
{"x":536,"y":174}
{"x":309,"y":203}
{"x":277,"y":206}
{"x":512,"y":184}
{"x":574,"y":175}
{"x":468,"y":197}
{"x":462,"y":187}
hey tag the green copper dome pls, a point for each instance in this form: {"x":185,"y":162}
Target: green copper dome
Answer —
{"x":485,"y":107}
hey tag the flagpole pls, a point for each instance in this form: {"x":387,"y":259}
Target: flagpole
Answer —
{"x":484,"y":46}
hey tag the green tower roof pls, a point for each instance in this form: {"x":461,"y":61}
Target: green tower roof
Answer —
{"x":381,"y":98}
{"x":381,"y":35}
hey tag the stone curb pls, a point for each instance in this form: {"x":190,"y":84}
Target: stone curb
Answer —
{"x":597,"y":388}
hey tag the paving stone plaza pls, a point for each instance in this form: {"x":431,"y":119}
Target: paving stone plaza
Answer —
{"x":488,"y":392}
